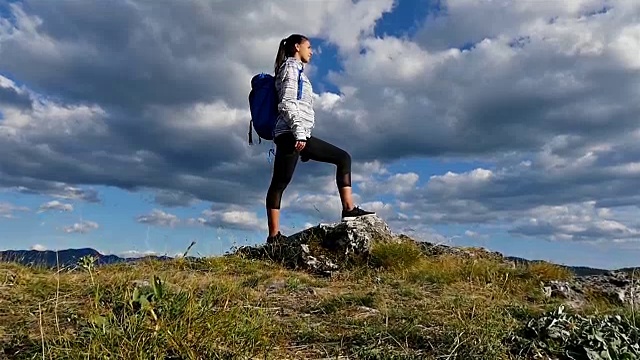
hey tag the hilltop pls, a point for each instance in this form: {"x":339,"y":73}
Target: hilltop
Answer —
{"x":349,"y":290}
{"x":69,"y":258}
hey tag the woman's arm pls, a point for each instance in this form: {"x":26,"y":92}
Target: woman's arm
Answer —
{"x":289,"y":99}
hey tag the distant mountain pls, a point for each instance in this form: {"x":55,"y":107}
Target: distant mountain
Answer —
{"x":578,"y":270}
{"x":65,"y":258}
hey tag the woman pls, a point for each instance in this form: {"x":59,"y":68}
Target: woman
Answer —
{"x":293,"y":137}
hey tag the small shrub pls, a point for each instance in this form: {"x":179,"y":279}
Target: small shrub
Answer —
{"x":573,"y":336}
{"x":395,"y":255}
{"x":546,"y":271}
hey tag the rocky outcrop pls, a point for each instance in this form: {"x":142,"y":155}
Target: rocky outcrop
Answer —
{"x":431,"y":249}
{"x":620,"y":287}
{"x":617,"y":287}
{"x":325,"y":248}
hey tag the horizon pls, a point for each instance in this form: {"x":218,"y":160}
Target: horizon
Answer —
{"x":510,"y":126}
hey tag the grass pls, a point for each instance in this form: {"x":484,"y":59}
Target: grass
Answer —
{"x":400,"y":305}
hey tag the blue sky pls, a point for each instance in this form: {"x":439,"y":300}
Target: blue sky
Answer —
{"x":138,"y":144}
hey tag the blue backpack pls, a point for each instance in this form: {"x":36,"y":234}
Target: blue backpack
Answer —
{"x":263,"y":104}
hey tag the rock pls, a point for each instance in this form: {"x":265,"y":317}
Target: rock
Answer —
{"x":431,"y":249}
{"x":276,"y":286}
{"x":140,"y":283}
{"x":573,"y":296}
{"x":325,"y":248}
{"x":616,"y":286}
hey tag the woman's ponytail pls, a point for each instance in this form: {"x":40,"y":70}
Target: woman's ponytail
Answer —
{"x":280,"y":57}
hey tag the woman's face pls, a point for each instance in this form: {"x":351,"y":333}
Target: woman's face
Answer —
{"x":304,"y":50}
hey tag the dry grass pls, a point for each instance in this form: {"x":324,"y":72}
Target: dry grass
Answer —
{"x":402,"y":305}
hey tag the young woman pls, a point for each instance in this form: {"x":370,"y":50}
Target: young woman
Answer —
{"x":293,"y":137}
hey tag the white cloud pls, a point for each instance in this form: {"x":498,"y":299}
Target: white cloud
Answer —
{"x":475,"y":235}
{"x":626,"y":45}
{"x":55,"y":205}
{"x":546,"y":93}
{"x":232,"y":217}
{"x":7,"y":210}
{"x":382,"y":209}
{"x":38,"y":247}
{"x":349,"y":22}
{"x":159,"y":218}
{"x":136,"y":254}
{"x":320,"y":205}
{"x":582,"y":222}
{"x":396,"y":184}
{"x":81,"y":227}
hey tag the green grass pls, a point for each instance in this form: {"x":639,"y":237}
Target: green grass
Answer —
{"x":400,"y":305}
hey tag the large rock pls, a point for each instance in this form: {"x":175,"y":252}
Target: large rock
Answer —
{"x":325,"y":248}
{"x":618,"y":287}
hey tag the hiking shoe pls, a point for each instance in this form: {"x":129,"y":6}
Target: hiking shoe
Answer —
{"x":276,"y":239}
{"x":354,"y":213}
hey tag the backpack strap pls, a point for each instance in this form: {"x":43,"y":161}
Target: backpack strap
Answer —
{"x":300,"y":82}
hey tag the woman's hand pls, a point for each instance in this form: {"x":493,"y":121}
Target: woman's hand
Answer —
{"x":300,"y":145}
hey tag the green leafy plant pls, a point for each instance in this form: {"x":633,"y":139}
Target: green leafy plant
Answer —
{"x":145,"y":300}
{"x":88,"y":263}
{"x":573,"y":336}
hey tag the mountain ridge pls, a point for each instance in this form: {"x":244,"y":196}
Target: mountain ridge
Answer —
{"x":67,"y":257}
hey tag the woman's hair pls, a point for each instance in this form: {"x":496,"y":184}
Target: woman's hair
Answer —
{"x":287,"y":48}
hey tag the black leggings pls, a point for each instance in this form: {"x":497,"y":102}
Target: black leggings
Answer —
{"x":287,"y":158}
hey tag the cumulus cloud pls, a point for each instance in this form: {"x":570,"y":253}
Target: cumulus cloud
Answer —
{"x":129,"y":254}
{"x":580,"y":222}
{"x":218,"y":216}
{"x":37,"y":187}
{"x":234,"y":218}
{"x":555,"y":202}
{"x":143,"y":97}
{"x":396,"y":184}
{"x":148,"y":90}
{"x":81,"y":227}
{"x":12,"y":98}
{"x":159,"y":218}
{"x":545,"y":93}
{"x":55,"y":205}
{"x":38,"y":247}
{"x":221,"y":216}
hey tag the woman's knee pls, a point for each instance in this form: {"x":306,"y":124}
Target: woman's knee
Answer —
{"x":274,"y":196}
{"x":279,"y":182}
{"x":344,"y":161}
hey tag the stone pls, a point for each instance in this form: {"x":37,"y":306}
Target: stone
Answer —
{"x":140,"y":283}
{"x":325,"y":248}
{"x":572,"y":296}
{"x":276,"y":286}
{"x":431,"y":249}
{"x":618,"y":287}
